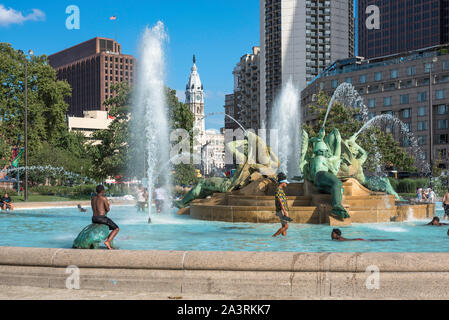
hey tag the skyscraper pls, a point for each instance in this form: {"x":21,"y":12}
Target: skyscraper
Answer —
{"x":405,"y":25}
{"x":247,"y":90}
{"x":299,"y":38}
{"x":91,"y":68}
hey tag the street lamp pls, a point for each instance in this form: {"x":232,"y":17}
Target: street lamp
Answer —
{"x":30,"y":53}
{"x":434,"y":60}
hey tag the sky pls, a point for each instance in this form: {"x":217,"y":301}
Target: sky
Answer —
{"x":218,"y":32}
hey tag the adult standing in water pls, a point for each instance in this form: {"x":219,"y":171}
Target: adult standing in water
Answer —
{"x":282,"y":205}
{"x":100,"y":208}
{"x":446,"y":205}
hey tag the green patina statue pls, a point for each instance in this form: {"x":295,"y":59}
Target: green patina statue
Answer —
{"x":321,"y":166}
{"x":91,"y":237}
{"x":332,"y":160}
{"x":353,"y":159}
{"x":256,"y":157}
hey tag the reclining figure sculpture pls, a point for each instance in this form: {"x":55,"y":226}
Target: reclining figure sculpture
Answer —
{"x":266,"y":165}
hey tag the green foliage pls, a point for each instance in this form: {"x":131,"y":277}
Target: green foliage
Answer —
{"x":109,"y":158}
{"x":345,"y":120}
{"x":49,"y":142}
{"x":410,"y":185}
{"x":185,"y":175}
{"x":75,"y":191}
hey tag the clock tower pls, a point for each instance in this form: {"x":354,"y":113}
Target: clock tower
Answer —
{"x":195,"y":99}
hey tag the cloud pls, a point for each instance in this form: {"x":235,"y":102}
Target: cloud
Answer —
{"x":10,"y":16}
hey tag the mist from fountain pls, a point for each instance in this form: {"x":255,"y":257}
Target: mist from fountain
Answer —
{"x":286,"y":119}
{"x":150,"y":107}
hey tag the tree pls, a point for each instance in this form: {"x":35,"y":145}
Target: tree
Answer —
{"x":49,"y":141}
{"x":373,"y":140}
{"x":111,"y":156}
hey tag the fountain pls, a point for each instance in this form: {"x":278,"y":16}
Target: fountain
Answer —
{"x":348,"y":197}
{"x":286,"y":119}
{"x":150,"y":108}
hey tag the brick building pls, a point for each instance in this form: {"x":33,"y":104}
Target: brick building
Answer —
{"x":91,"y":68}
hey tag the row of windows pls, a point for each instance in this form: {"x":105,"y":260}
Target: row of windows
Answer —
{"x":405,"y":99}
{"x":394,"y":74}
{"x":111,"y":59}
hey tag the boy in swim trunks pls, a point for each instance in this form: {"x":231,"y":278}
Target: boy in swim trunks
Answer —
{"x":100,"y":208}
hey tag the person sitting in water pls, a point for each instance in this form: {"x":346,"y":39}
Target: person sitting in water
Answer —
{"x":81,"y":209}
{"x":7,"y":203}
{"x":336,"y":235}
{"x":436,"y":222}
{"x":100,"y":208}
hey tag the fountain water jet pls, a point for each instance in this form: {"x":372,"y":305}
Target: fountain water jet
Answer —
{"x":150,"y":102}
{"x":286,"y":118}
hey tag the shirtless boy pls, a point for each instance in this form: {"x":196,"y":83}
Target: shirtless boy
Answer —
{"x":100,"y":208}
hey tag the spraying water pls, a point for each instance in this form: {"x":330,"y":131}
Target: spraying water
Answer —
{"x":150,"y":103}
{"x":347,"y":95}
{"x":286,"y":118}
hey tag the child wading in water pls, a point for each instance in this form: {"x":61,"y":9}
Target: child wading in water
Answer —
{"x":282,"y":205}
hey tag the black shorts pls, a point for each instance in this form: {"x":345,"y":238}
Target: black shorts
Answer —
{"x":281,"y":215}
{"x":104,"y":220}
{"x":446,"y":209}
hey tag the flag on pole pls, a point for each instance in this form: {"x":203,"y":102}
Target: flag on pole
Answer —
{"x":113,"y":18}
{"x":15,"y":162}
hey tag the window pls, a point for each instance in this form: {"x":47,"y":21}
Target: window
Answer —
{"x":442,"y":139}
{"x":422,"y":111}
{"x":409,"y":84}
{"x":443,"y":124}
{"x":422,"y":125}
{"x":442,"y":153}
{"x":442,"y":109}
{"x":411,"y":71}
{"x":371,"y":115}
{"x":371,"y":103}
{"x":394,"y":74}
{"x":422,"y":96}
{"x":363,"y":78}
{"x":406,"y":113}
{"x":439,"y":94}
{"x":446,"y":65}
{"x":405,"y":142}
{"x":322,"y":85}
{"x":387,"y":101}
{"x":349,"y":80}
{"x":378,"y":76}
{"x":428,"y":67}
{"x":404,"y":99}
{"x":334,"y":84}
{"x":422,"y":140}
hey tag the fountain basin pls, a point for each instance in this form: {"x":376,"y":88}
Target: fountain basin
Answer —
{"x":307,"y":205}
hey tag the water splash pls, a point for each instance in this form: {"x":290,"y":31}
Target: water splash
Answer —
{"x":404,"y":131}
{"x":150,"y":102}
{"x":226,"y":115}
{"x":286,"y":118}
{"x":348,"y":96}
{"x":51,"y":173}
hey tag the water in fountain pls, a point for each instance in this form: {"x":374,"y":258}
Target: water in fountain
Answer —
{"x":51,"y":173}
{"x":387,"y":118}
{"x":348,"y":96}
{"x":286,"y":118}
{"x":150,"y":102}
